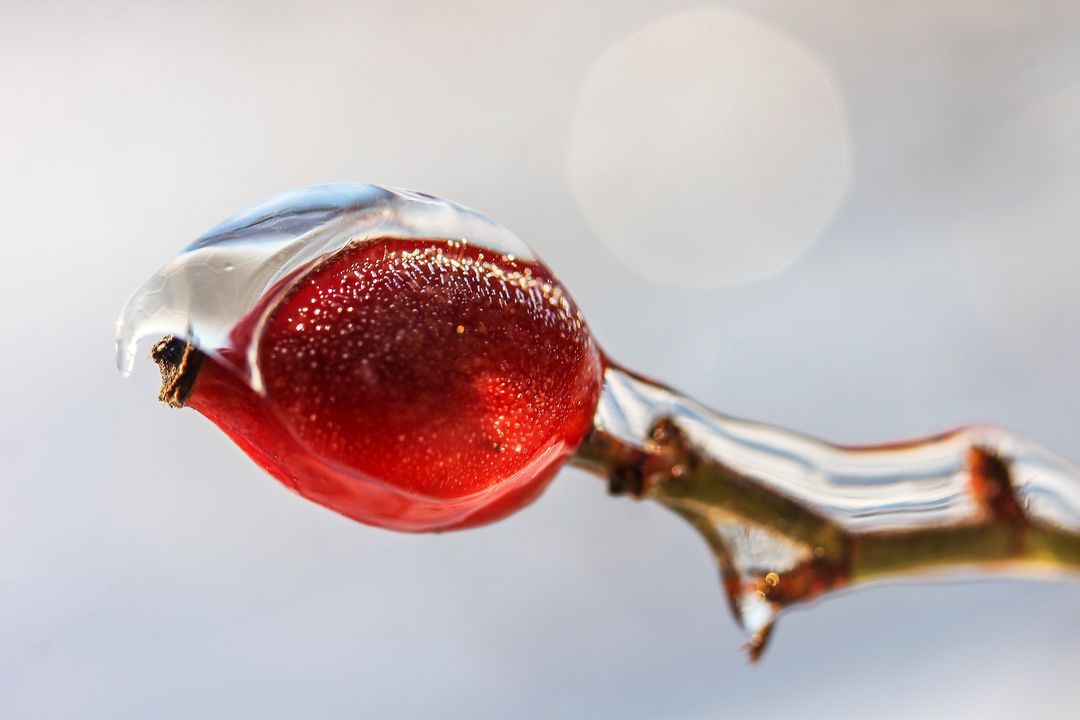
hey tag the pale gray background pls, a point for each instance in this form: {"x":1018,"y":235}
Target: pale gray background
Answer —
{"x":149,"y":570}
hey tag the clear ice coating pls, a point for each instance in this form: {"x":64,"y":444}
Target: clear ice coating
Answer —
{"x":789,"y":517}
{"x":880,"y":488}
{"x":217,"y":280}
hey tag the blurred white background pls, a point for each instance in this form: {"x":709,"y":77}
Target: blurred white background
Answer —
{"x":875,"y":208}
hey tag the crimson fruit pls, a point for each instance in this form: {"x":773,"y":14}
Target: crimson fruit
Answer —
{"x":414,"y":383}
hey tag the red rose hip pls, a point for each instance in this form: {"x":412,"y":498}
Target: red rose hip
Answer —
{"x":414,"y":383}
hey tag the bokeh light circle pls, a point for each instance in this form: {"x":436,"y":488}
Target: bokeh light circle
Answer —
{"x":709,"y":149}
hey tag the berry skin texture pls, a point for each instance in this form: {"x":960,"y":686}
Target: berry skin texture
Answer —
{"x":416,"y":385}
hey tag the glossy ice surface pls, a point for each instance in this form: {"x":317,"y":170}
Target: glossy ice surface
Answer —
{"x":395,"y":357}
{"x":872,"y":488}
{"x":789,"y":517}
{"x":216,"y":281}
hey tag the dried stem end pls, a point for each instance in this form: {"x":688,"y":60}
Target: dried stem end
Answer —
{"x":179,"y":363}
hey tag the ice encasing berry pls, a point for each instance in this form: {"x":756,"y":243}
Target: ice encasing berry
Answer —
{"x":411,"y":382}
{"x":417,"y":385}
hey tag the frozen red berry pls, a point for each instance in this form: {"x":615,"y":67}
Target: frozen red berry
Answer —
{"x":414,"y":384}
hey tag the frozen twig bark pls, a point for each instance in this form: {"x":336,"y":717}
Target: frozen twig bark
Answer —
{"x":789,"y":518}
